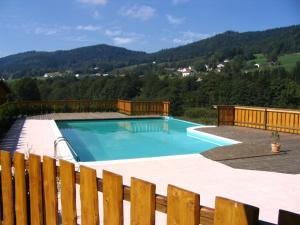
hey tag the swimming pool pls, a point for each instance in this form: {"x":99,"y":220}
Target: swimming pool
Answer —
{"x":101,"y":140}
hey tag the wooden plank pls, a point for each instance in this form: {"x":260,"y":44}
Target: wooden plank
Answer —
{"x":20,"y":189}
{"x":288,"y":218}
{"x":88,"y":196}
{"x":50,"y":190}
{"x":183,"y":207}
{"x":35,"y":189}
{"x":68,"y":193}
{"x":142,"y":199}
{"x":228,"y":212}
{"x":112,"y":198}
{"x":7,"y":189}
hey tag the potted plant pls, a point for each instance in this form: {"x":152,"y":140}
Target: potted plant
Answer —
{"x":275,"y":145}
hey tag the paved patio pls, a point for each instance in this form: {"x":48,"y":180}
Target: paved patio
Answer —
{"x":254,"y":153}
{"x":267,"y":190}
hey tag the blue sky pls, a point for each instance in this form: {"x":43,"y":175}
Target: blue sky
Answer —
{"x":139,"y":25}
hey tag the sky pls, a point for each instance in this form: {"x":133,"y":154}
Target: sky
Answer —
{"x":152,"y":25}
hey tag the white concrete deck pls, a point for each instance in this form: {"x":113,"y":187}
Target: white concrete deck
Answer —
{"x":266,"y":190}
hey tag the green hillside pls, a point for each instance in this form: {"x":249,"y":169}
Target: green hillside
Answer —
{"x":288,"y":61}
{"x":229,"y":45}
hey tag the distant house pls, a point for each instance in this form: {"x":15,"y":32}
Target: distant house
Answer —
{"x":226,"y":61}
{"x":186,"y":71}
{"x":4,"y":92}
{"x":207,"y":68}
{"x":220,"y":66}
{"x":77,"y":75}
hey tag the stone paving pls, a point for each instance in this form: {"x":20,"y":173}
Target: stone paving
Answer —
{"x":254,"y":153}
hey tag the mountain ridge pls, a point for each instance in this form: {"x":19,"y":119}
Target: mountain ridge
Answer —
{"x":225,"y":45}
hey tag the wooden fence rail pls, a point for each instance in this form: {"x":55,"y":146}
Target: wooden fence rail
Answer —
{"x":144,"y":107}
{"x":29,"y":195}
{"x":123,"y":106}
{"x":283,"y":120}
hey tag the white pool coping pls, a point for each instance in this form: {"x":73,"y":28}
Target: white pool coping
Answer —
{"x":193,"y":130}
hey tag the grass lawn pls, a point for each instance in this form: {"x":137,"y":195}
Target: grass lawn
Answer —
{"x":288,"y":61}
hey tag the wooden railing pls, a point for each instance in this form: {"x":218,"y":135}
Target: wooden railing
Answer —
{"x":12,"y":110}
{"x":29,"y":195}
{"x":123,"y":106}
{"x":144,"y":107}
{"x":283,"y":120}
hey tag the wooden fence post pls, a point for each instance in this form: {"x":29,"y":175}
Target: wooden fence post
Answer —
{"x":88,"y":196}
{"x":112,"y":198}
{"x":68,"y":193}
{"x":20,"y":189}
{"x":288,"y":218}
{"x":266,"y":119}
{"x":142,"y":202}
{"x":228,"y":212}
{"x":35,"y":189}
{"x":7,"y":189}
{"x":50,"y":190}
{"x":183,"y":207}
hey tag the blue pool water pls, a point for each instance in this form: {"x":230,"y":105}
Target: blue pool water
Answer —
{"x":100,"y":140}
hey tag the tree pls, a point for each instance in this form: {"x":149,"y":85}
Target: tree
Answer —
{"x":27,"y":89}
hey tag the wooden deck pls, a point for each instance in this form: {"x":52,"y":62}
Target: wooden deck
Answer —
{"x":88,"y":116}
{"x":254,"y":152}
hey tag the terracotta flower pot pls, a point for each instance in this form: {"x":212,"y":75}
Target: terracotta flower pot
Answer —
{"x":275,"y":147}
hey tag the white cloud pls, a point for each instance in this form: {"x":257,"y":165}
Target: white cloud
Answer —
{"x":176,"y":2}
{"x":143,"y":12}
{"x":174,"y":20}
{"x":93,"y":2}
{"x":88,"y":28}
{"x":122,"y":40}
{"x":50,"y":31}
{"x":189,"y":37}
{"x":96,"y":14}
{"x":112,"y":33}
{"x":120,"y":37}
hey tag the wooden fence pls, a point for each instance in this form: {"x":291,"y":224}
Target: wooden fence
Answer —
{"x":283,"y":120}
{"x":144,"y":107}
{"x":29,"y":195}
{"x":123,"y":106}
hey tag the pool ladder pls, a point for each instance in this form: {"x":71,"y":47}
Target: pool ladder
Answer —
{"x":60,"y":139}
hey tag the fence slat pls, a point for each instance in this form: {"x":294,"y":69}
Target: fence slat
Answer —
{"x":50,"y":190}
{"x":68,"y":193}
{"x":230,"y":212}
{"x":88,"y":196}
{"x":112,"y":198}
{"x":20,"y":189}
{"x":7,"y":189}
{"x":288,"y":218}
{"x":35,"y":189}
{"x":183,"y":207}
{"x":142,"y":202}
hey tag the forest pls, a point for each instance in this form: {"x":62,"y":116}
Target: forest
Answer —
{"x":233,"y":86}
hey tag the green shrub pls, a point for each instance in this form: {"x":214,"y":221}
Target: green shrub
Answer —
{"x":200,"y":113}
